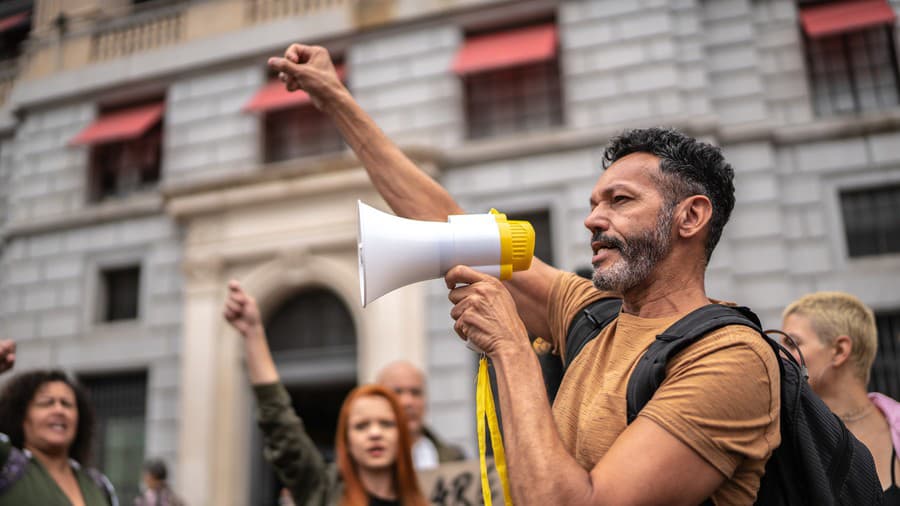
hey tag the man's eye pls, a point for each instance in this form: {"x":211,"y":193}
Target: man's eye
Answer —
{"x":618,"y":199}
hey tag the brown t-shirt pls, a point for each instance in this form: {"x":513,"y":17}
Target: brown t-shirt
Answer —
{"x":721,"y":395}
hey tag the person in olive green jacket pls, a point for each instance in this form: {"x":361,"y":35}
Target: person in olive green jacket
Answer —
{"x":372,"y":444}
{"x":46,"y":424}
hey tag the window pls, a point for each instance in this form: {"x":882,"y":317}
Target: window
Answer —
{"x":125,"y":150}
{"x":543,"y":238}
{"x":521,"y":99}
{"x":511,"y":81}
{"x":120,"y":404}
{"x":851,"y":56}
{"x":292,"y":126}
{"x":871,"y":220}
{"x":884,"y":377}
{"x":298,"y":132}
{"x":120,"y":293}
{"x":14,"y":28}
{"x":119,"y":169}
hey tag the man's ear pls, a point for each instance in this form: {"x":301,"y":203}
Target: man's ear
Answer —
{"x":843,"y":347}
{"x":692,"y":215}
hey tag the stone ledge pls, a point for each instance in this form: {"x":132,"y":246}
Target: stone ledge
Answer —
{"x":137,"y":206}
{"x":286,"y":171}
{"x":820,"y":129}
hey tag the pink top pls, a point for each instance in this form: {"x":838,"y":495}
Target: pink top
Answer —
{"x":891,"y":410}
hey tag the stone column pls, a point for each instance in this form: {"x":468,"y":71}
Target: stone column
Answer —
{"x":207,"y":446}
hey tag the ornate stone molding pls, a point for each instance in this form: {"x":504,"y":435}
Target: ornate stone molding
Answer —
{"x":203,"y":272}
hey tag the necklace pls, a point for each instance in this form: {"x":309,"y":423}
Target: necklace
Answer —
{"x":855,"y":416}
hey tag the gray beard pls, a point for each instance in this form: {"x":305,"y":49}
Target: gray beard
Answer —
{"x":639,"y":255}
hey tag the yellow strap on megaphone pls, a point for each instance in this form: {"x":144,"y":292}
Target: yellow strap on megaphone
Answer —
{"x":484,"y":402}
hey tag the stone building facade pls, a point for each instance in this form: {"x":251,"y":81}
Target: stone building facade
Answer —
{"x":811,"y":125}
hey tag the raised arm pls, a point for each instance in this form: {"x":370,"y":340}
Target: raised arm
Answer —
{"x":7,"y":360}
{"x":409,"y":191}
{"x":7,"y":354}
{"x":242,"y":313}
{"x":288,"y":448}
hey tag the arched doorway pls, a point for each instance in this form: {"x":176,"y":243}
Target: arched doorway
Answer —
{"x":313,"y":341}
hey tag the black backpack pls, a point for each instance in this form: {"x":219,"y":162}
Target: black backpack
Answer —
{"x":819,"y":461}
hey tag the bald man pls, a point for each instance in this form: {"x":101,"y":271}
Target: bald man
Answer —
{"x":408,"y":382}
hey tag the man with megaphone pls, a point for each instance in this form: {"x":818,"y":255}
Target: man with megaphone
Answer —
{"x":657,"y":212}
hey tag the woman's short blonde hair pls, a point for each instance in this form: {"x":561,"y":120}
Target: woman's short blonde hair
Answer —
{"x":834,"y":314}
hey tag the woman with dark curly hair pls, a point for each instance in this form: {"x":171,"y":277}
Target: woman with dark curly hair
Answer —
{"x":46,"y":426}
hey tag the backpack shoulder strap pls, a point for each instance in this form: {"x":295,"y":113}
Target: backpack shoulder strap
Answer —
{"x":650,"y":370}
{"x":103,"y":483}
{"x":587,"y":324}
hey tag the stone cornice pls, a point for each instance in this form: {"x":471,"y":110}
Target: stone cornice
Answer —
{"x":148,"y":204}
{"x":342,"y":172}
{"x":279,"y":181}
{"x":520,"y":146}
{"x":524,"y":145}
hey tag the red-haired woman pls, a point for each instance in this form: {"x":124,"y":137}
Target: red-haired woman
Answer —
{"x":374,"y":465}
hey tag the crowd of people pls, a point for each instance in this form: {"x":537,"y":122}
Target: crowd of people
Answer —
{"x":657,"y":212}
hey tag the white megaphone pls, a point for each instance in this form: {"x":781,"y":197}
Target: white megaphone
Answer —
{"x":395,"y":252}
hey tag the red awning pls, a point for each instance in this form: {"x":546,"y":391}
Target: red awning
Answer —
{"x":847,"y":16}
{"x":14,"y":21}
{"x":506,"y":49}
{"x":120,"y":125}
{"x":274,"y":96}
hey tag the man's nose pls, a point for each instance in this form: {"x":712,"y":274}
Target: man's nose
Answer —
{"x":597,"y":220}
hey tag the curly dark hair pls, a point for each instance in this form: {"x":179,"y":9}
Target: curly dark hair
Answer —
{"x":20,"y":391}
{"x":689,"y":167}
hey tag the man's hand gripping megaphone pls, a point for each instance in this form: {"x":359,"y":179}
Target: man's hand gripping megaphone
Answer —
{"x":483,"y":309}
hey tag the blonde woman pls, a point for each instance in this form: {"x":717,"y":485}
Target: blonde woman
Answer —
{"x":836,"y":334}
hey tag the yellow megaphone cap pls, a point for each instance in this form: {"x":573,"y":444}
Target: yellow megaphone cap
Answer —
{"x":516,"y":244}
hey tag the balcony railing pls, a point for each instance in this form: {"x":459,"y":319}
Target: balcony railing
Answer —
{"x":140,"y":31}
{"x":256,"y":11}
